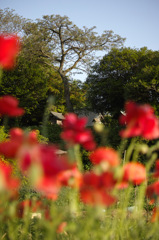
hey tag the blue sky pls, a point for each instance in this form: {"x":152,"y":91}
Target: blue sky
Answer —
{"x":136,"y":20}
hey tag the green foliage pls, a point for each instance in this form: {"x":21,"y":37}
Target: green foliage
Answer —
{"x":27,"y":82}
{"x":3,"y":134}
{"x":53,"y":134}
{"x":3,"y":137}
{"x":87,"y":165}
{"x":113,"y":128}
{"x":124,"y":74}
{"x":78,"y":92}
{"x":56,"y":89}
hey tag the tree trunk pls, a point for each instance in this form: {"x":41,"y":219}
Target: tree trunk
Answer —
{"x":69,"y":106}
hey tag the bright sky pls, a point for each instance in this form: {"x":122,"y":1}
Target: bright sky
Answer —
{"x":136,"y":20}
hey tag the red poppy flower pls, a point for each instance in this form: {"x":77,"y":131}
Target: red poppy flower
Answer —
{"x":96,"y":197}
{"x":11,"y":147}
{"x":61,"y":227}
{"x":52,"y":163}
{"x":8,"y":181}
{"x":41,"y":155}
{"x":134,"y":172}
{"x":48,"y":186}
{"x":49,"y":166}
{"x":9,"y":49}
{"x":140,"y":121}
{"x":53,"y":169}
{"x":45,"y":179}
{"x":153,"y":190}
{"x":71,"y":177}
{"x":156,"y":173}
{"x":9,"y":107}
{"x":75,"y":132}
{"x":107,"y":180}
{"x":155,"y":214}
{"x":96,"y":190}
{"x":105,"y":154}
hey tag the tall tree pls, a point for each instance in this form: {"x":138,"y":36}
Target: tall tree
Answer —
{"x":66,"y":47}
{"x":124,"y":74}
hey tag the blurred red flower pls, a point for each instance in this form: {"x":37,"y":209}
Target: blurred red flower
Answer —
{"x":96,"y":189}
{"x":96,"y":197}
{"x":152,"y":191}
{"x":49,"y":175}
{"x":9,"y":107}
{"x":52,"y":163}
{"x":61,"y":227}
{"x":18,"y":138}
{"x":134,"y":172}
{"x":156,"y":173}
{"x":75,"y":132}
{"x":140,"y":121}
{"x":9,"y":49}
{"x":8,"y":181}
{"x":105,"y":154}
{"x":48,"y":186}
{"x":155,"y":214}
{"x":71,"y":177}
{"x":55,"y":171}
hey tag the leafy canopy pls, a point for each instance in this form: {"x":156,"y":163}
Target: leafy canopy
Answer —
{"x":124,"y":74}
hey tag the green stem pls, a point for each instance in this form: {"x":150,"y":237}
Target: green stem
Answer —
{"x":139,"y":201}
{"x":122,"y":147}
{"x":78,"y":158}
{"x":153,"y":148}
{"x":73,"y":202}
{"x":151,"y":161}
{"x":75,"y":156}
{"x":120,"y":220}
{"x":136,"y":153}
{"x":130,"y":150}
